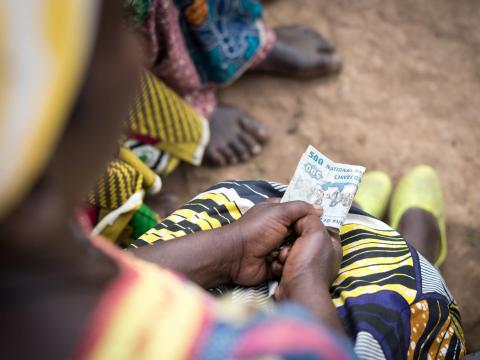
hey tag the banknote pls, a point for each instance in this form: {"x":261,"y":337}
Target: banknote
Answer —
{"x":319,"y":180}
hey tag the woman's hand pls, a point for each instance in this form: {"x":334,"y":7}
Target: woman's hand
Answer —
{"x":314,"y":259}
{"x":261,"y":230}
{"x":235,"y":253}
{"x":309,"y":267}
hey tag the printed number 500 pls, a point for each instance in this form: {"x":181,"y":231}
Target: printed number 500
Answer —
{"x":315,"y":158}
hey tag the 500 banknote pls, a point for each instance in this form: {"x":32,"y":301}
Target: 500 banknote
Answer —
{"x":318,"y":180}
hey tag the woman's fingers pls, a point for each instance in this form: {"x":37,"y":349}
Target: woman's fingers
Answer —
{"x":292,"y":211}
{"x":277,"y":268}
{"x":337,"y":245}
{"x":308,"y":225}
{"x":282,"y":256}
{"x":295,"y":210}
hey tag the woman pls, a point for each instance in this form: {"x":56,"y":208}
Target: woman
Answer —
{"x":392,"y":301}
{"x":62,"y":297}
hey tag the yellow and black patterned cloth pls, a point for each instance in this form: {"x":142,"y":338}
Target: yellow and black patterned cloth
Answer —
{"x":393,"y":303}
{"x":115,"y":206}
{"x":163,"y":129}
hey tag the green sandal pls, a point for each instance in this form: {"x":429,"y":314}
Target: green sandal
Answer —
{"x":420,"y":188}
{"x":373,"y":194}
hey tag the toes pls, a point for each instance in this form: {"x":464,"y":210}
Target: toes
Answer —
{"x":300,"y":33}
{"x":330,"y":63}
{"x":234,"y":137}
{"x":240,"y":149}
{"x":324,"y":45}
{"x":255,"y":129}
{"x":229,"y":154}
{"x":214,"y":157}
{"x":250,"y":143}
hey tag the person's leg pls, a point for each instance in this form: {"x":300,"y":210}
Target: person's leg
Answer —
{"x":416,"y":211}
{"x":300,"y":52}
{"x":297,"y":52}
{"x":378,"y":286}
{"x":416,"y":192}
{"x":420,"y":229}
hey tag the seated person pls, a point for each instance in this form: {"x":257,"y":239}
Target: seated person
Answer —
{"x":392,"y":301}
{"x":64,"y":296}
{"x":197,"y":46}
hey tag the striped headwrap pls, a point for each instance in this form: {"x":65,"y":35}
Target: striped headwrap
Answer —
{"x":44,"y":47}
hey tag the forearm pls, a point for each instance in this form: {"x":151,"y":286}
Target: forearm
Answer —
{"x":204,"y":257}
{"x":317,"y":299}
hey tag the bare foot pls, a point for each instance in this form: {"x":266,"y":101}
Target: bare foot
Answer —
{"x":420,"y":229}
{"x":234,"y":137}
{"x":300,"y":52}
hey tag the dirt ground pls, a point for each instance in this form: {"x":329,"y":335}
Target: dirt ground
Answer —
{"x":409,"y":93}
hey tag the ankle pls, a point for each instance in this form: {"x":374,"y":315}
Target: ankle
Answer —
{"x":420,"y":229}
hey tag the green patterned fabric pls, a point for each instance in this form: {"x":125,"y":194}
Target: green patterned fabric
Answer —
{"x":143,"y":220}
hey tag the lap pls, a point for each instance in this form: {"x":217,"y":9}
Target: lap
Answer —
{"x":392,"y":302}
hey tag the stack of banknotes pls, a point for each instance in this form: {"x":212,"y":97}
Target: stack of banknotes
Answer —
{"x":318,"y":180}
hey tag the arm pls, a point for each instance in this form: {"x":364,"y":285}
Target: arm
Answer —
{"x":235,"y":253}
{"x":309,"y":268}
{"x":204,"y":257}
{"x":316,"y":297}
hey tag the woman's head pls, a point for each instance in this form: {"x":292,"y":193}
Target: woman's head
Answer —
{"x":92,"y":127}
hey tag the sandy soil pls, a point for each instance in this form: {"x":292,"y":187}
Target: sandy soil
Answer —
{"x":409,"y":94}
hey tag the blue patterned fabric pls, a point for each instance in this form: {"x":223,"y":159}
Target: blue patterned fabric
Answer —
{"x":392,"y":302}
{"x":226,"y":40}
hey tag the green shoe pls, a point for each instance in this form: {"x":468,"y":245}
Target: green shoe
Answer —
{"x":373,"y":194}
{"x":420,"y":188}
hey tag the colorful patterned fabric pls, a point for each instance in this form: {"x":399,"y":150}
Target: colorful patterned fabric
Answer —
{"x":116,"y":208}
{"x":393,"y":303}
{"x":162,"y":131}
{"x":195,"y":50}
{"x":142,"y":221}
{"x":162,"y":120}
{"x":223,"y":37}
{"x":151,"y":313}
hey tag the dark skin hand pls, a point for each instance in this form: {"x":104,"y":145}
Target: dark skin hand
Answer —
{"x":235,"y":253}
{"x":309,"y":268}
{"x":234,"y":137}
{"x":52,"y":277}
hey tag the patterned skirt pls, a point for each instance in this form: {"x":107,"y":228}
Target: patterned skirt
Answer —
{"x":392,"y":302}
